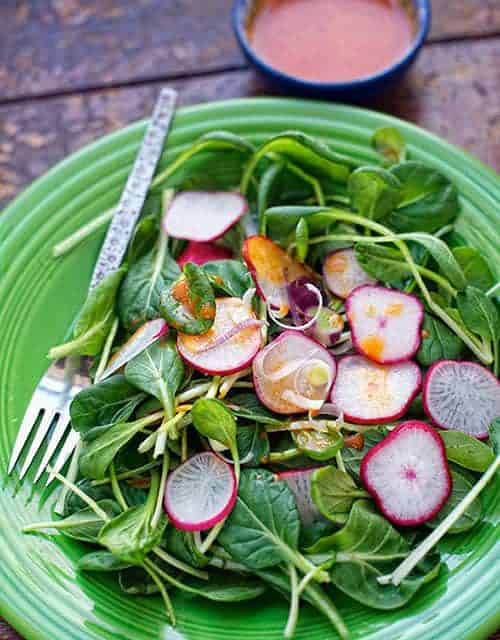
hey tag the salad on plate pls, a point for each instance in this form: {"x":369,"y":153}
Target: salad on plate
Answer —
{"x":294,"y":381}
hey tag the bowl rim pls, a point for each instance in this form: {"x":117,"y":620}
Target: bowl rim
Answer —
{"x":238,"y":18}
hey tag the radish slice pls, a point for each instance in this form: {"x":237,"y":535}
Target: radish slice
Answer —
{"x":407,"y":474}
{"x":272,"y":269}
{"x":203,"y":216}
{"x":140,"y":340}
{"x":369,"y":393}
{"x":293,"y":374}
{"x":328,"y":326}
{"x":385,"y":323}
{"x":342,"y":272}
{"x":463,"y":396}
{"x":213,"y":352}
{"x":299,"y":483}
{"x":201,"y":252}
{"x":200,"y":492}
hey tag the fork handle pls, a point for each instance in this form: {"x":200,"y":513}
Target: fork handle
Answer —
{"x":133,"y":196}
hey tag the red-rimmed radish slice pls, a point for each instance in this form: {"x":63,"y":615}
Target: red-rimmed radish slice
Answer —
{"x":463,"y":396}
{"x":202,"y":252}
{"x":407,"y":473}
{"x":215,"y":353}
{"x":369,"y":393}
{"x":299,"y":483}
{"x":140,"y":340}
{"x":200,"y":492}
{"x":203,"y":216}
{"x":293,"y":374}
{"x":272,"y":269}
{"x":342,"y":272}
{"x":385,"y":323}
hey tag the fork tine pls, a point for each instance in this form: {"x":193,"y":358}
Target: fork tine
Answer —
{"x":40,"y":434}
{"x":27,"y":425}
{"x":59,"y":431}
{"x":71,"y":442}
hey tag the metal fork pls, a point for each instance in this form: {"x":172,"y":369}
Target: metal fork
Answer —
{"x":66,"y":377}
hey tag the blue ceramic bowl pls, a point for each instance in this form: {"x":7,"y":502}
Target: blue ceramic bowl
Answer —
{"x":353,"y":90}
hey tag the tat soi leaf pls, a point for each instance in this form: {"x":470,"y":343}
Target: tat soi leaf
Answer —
{"x":248,"y":406}
{"x":494,"y":431}
{"x":101,"y":561}
{"x":135,"y":581}
{"x":229,"y":276}
{"x":252,"y":443}
{"x":306,"y":152}
{"x":263,"y":528}
{"x":429,"y":200}
{"x":85,"y":524}
{"x":94,"y":321}
{"x":189,"y":303}
{"x":318,"y":445}
{"x":466,"y":451}
{"x":144,"y":238}
{"x":145,"y":283}
{"x":334,"y":491}
{"x":101,"y":493}
{"x":181,"y":544}
{"x":267,"y":191}
{"x":472,"y":515}
{"x":352,"y":457}
{"x":158,"y":371}
{"x":367,"y":536}
{"x":214,"y":420}
{"x":112,"y":400}
{"x":438,"y":342}
{"x":374,"y":192}
{"x":359,"y":580}
{"x":382,"y":263}
{"x":223,"y":586}
{"x":302,"y":239}
{"x":479,"y":314}
{"x":389,"y":142}
{"x":475,"y":268}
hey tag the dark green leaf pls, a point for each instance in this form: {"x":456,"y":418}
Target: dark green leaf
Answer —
{"x":85,"y":524}
{"x":479,"y":314}
{"x":189,"y":304}
{"x":475,"y":268}
{"x":252,"y":443}
{"x":471,"y":516}
{"x":438,"y":342}
{"x":214,"y":420}
{"x":352,"y":457}
{"x":263,"y":528}
{"x":382,"y":263}
{"x":389,"y":142}
{"x":225,"y":587}
{"x":181,"y":544}
{"x":495,"y":436}
{"x":247,"y":405}
{"x":229,"y":276}
{"x":102,"y":492}
{"x":443,"y":256}
{"x":374,"y":192}
{"x":136,"y":582}
{"x":144,"y":238}
{"x":94,"y":321}
{"x":101,"y":561}
{"x":467,"y":451}
{"x":334,"y":491}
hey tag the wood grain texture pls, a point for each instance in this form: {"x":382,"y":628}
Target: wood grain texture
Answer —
{"x":59,"y":45}
{"x":452,"y":91}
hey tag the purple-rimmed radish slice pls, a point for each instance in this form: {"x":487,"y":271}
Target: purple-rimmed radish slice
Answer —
{"x":299,"y":483}
{"x":370,"y":393}
{"x":407,"y":473}
{"x":140,"y":340}
{"x":203,"y":216}
{"x":293,"y":374}
{"x":463,"y":396}
{"x":342,"y":272}
{"x":385,"y":323}
{"x":231,"y":343}
{"x":202,"y":252}
{"x":328,"y":326}
{"x":272,"y":270}
{"x":200,"y":492}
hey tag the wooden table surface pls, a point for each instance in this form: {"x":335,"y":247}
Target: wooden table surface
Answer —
{"x":73,"y":70}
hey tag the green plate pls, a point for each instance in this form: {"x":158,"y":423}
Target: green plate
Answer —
{"x":41,"y":593}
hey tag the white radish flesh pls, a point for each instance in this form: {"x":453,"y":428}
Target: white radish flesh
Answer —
{"x":463,"y":396}
{"x":369,"y":393}
{"x":140,"y":340}
{"x":299,"y":483}
{"x":342,"y":273}
{"x":203,"y":216}
{"x":407,"y":474}
{"x":200,"y":492}
{"x":293,"y":374}
{"x":385,"y":323}
{"x":206,"y":353}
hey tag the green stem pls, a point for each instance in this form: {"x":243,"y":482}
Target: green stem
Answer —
{"x":178,"y":564}
{"x":148,"y":443}
{"x":103,"y":361}
{"x":71,"y":476}
{"x":82,"y":234}
{"x":278,"y":456}
{"x":153,"y":571}
{"x":81,"y":494}
{"x":117,"y":492}
{"x":214,"y":387}
{"x":128,"y":474}
{"x":322,"y":602}
{"x":314,"y":182}
{"x":159,"y":500}
{"x":494,"y":290}
{"x":293,"y":613}
{"x":340,"y":463}
{"x":195,"y":392}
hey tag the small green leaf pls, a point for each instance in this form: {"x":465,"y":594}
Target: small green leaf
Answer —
{"x":443,"y":256}
{"x":248,"y":406}
{"x":101,"y":561}
{"x":352,"y":457}
{"x":479,"y":314}
{"x":302,"y":239}
{"x":214,"y":420}
{"x":189,"y":304}
{"x":318,"y":445}
{"x":475,"y":268}
{"x":225,"y":587}
{"x":389,"y":142}
{"x":229,"y":276}
{"x":252,"y":443}
{"x":472,"y":515}
{"x":374,"y":192}
{"x":438,"y":342}
{"x":382,"y":263}
{"x":466,"y":451}
{"x":495,"y":436}
{"x":334,"y":491}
